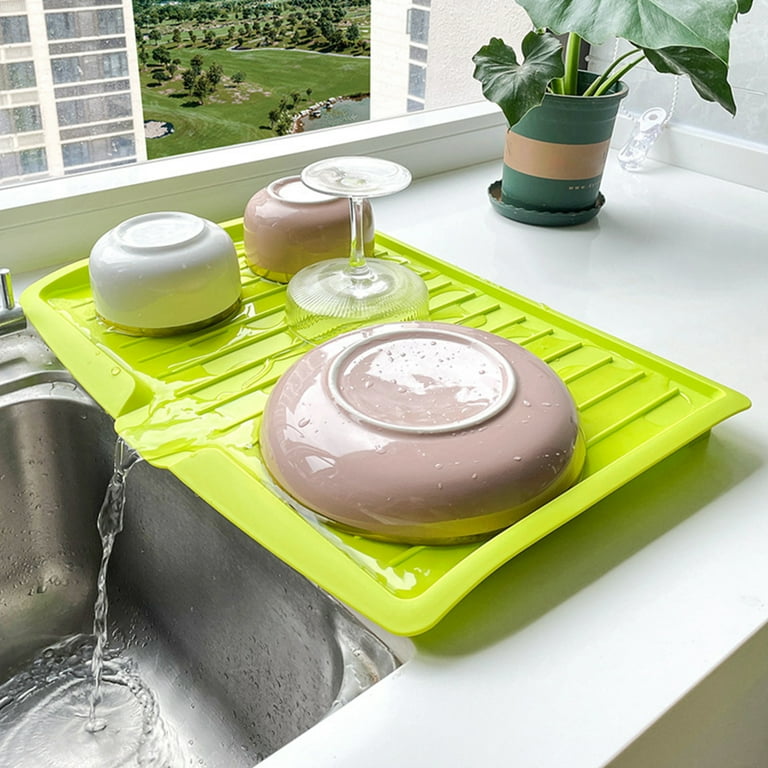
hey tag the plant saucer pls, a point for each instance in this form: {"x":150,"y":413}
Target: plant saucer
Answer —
{"x":542,"y":218}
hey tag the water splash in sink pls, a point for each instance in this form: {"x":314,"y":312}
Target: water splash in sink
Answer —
{"x":82,"y":702}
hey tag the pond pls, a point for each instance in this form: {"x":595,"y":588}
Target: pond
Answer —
{"x":340,"y":113}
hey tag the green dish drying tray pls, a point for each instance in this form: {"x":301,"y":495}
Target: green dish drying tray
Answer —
{"x":192,"y":404}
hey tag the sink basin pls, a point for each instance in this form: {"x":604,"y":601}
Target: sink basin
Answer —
{"x":242,"y":653}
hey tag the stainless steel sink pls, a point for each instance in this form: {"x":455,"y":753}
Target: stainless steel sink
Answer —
{"x":242,"y":652}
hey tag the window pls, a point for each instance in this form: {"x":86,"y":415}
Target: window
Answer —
{"x":32,"y":161}
{"x":94,"y":109}
{"x":79,"y":46}
{"x":91,"y":89}
{"x":109,"y":22}
{"x":115,"y":63}
{"x":51,"y":5}
{"x":97,"y":150}
{"x":84,"y":131}
{"x":13,"y":29}
{"x":20,"y":119}
{"x":417,"y":54}
{"x":62,"y":26}
{"x":74,"y":69}
{"x":25,"y":162}
{"x":418,"y":25}
{"x":417,"y":81}
{"x":17,"y":74}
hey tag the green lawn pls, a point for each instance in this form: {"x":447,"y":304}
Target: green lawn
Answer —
{"x":237,"y":113}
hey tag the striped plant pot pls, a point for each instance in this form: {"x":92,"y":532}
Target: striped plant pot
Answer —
{"x":555,"y":156}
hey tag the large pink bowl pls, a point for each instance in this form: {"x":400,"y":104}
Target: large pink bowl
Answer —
{"x":421,"y":432}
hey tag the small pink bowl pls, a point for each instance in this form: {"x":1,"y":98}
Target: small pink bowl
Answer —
{"x":288,"y":226}
{"x":421,"y":432}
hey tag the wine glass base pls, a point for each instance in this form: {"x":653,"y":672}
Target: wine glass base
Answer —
{"x":326,"y":299}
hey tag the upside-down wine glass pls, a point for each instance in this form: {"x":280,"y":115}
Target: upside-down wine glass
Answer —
{"x":337,"y":295}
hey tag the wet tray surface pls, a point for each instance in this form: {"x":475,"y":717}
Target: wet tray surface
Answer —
{"x":193,"y":403}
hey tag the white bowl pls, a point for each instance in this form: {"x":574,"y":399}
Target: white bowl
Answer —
{"x":421,"y":432}
{"x":164,"y":273}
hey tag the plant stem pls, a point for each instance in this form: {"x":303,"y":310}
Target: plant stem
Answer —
{"x":571,"y":76}
{"x":556,"y":85}
{"x":598,"y":82}
{"x":615,"y":78}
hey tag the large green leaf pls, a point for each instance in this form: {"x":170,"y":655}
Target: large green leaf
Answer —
{"x":707,"y":72}
{"x":516,"y":87}
{"x":649,"y":24}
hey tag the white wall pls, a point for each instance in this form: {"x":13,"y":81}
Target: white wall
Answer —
{"x":748,"y":77}
{"x":389,"y":57}
{"x":456,"y":31}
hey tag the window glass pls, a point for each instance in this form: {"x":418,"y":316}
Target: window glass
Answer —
{"x":61,"y":25}
{"x":17,"y":74}
{"x":33,"y":161}
{"x":97,"y":150}
{"x":66,"y":70}
{"x":94,"y":109}
{"x":25,"y":162}
{"x":417,"y":80}
{"x":90,"y":67}
{"x":50,"y":5}
{"x":76,"y":153}
{"x":109,"y":22}
{"x":78,"y":46}
{"x":417,"y":54}
{"x":13,"y":29}
{"x":85,"y":131}
{"x":414,"y":106}
{"x":91,"y":89}
{"x":20,"y":119}
{"x":418,"y":25}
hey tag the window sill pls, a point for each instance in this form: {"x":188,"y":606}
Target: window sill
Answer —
{"x":58,"y":220}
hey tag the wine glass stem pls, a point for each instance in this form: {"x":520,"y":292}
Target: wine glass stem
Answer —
{"x":357,"y":222}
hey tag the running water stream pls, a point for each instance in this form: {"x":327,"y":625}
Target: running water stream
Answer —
{"x":81,"y":703}
{"x":109,"y":524}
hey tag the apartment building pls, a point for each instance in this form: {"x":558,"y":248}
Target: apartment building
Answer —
{"x":69,"y":88}
{"x":421,"y":52}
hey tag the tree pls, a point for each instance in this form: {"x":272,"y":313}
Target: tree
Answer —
{"x":209,"y":36}
{"x":192,"y":36}
{"x":200,"y":89}
{"x":176,"y":36}
{"x":161,"y":55}
{"x":196,"y":64}
{"x":238,"y":77}
{"x":353,"y":33}
{"x":214,"y":74}
{"x":188,"y":78}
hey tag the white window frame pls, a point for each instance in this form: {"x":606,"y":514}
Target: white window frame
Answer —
{"x":56,"y":221}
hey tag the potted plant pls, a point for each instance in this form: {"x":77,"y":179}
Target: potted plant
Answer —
{"x":561,"y":118}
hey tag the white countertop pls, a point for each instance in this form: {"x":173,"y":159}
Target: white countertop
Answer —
{"x":572,"y":650}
